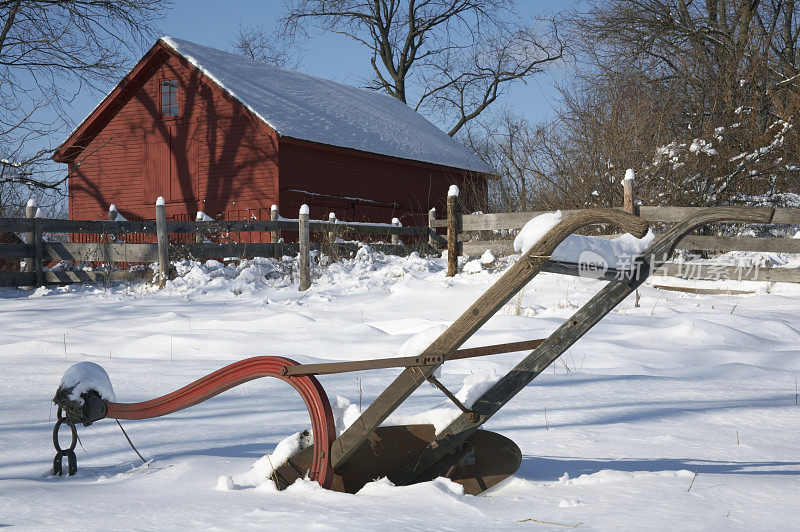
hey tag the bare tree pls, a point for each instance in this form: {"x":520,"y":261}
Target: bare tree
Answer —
{"x":700,"y":98}
{"x":451,"y":58}
{"x":50,"y":51}
{"x":272,"y":47}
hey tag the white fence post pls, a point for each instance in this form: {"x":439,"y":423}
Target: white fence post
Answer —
{"x":396,"y":238}
{"x":274,"y":236}
{"x":627,"y":189}
{"x":163,"y":243}
{"x":30,"y":236}
{"x":305,"y":249}
{"x":431,"y":229}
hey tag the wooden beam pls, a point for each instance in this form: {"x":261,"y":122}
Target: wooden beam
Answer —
{"x":690,"y":270}
{"x":515,"y":220}
{"x":304,"y":255}
{"x":452,"y":231}
{"x":100,"y":251}
{"x":700,"y":242}
{"x":10,"y":279}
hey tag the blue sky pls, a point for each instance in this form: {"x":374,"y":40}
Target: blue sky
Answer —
{"x":214,"y":23}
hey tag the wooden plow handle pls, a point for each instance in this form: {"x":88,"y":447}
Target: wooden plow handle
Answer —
{"x":309,"y":388}
{"x":571,"y":330}
{"x":500,"y":293}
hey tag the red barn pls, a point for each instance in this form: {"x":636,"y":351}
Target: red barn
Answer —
{"x":219,"y":133}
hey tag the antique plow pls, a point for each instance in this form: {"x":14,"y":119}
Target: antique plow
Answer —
{"x":464,"y":452}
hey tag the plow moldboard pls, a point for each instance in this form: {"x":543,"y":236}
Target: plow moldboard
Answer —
{"x":485,"y":459}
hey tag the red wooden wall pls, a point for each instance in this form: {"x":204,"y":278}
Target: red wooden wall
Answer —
{"x":360,"y":186}
{"x":214,"y":157}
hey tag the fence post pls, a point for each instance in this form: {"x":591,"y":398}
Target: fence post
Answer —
{"x":452,"y":231}
{"x":198,"y":235}
{"x":396,"y":238}
{"x":163,"y":243}
{"x":630,"y":208}
{"x":431,"y":229}
{"x":38,"y":250}
{"x":30,"y":236}
{"x":305,"y":267}
{"x":274,"y":236}
{"x":332,"y":234}
{"x":627,"y":188}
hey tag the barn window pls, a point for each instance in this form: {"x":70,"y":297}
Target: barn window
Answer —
{"x":169,"y":97}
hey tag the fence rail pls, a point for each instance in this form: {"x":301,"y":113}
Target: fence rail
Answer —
{"x":515,"y":220}
{"x":467,"y":233}
{"x":110,"y":249}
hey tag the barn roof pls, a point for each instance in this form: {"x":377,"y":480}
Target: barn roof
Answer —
{"x":319,"y":110}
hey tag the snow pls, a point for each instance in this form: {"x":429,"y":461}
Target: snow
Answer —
{"x":318,"y":110}
{"x":303,"y":209}
{"x":610,"y":253}
{"x":452,"y":191}
{"x":615,"y":253}
{"x":85,"y":376}
{"x":534,"y":230}
{"x":419,"y":342}
{"x":702,"y":146}
{"x":119,"y":217}
{"x":31,"y":202}
{"x":683,"y":390}
{"x":473,"y":266}
{"x":630,"y":175}
{"x":487,"y":259}
{"x":160,"y":201}
{"x":203,"y":217}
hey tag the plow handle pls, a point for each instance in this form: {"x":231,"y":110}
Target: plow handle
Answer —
{"x":570,"y":331}
{"x":500,"y":293}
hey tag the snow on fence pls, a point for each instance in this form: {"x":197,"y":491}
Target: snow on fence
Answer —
{"x":110,"y":248}
{"x":467,"y":235}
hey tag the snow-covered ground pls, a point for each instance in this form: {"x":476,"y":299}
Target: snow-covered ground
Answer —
{"x":678,"y":414}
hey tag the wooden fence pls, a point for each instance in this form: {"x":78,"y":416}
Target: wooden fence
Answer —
{"x":469,"y":232}
{"x":466,"y":235}
{"x":111,"y":249}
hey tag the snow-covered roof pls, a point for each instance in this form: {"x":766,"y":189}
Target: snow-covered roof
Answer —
{"x":319,"y":110}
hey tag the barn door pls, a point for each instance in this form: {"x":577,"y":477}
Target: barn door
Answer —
{"x":156,"y":165}
{"x":170,"y":163}
{"x":183,"y":163}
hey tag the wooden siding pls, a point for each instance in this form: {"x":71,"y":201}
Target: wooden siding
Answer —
{"x":360,"y":186}
{"x":215,"y":156}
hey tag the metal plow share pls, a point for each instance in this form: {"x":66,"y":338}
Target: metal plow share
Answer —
{"x":463,"y":452}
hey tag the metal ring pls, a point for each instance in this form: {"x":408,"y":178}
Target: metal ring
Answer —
{"x":74,"y":431}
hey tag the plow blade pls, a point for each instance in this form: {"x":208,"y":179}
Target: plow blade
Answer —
{"x":484,"y":459}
